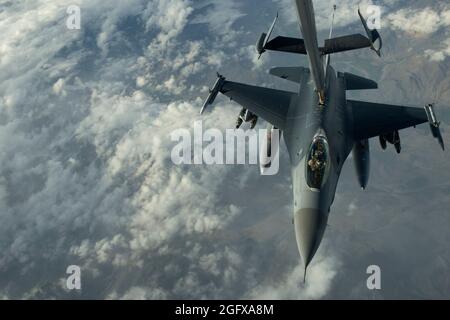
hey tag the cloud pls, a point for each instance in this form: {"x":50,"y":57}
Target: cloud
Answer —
{"x":139,"y":293}
{"x":220,"y":16}
{"x":319,"y":281}
{"x":68,"y":198}
{"x":419,"y":22}
{"x":85,"y":170}
{"x":113,"y":15}
{"x":169,"y":16}
{"x":86,"y":176}
{"x":258,"y":62}
{"x":439,"y":54}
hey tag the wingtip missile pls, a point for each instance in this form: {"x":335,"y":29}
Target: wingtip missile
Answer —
{"x":434,"y":125}
{"x":213,"y":92}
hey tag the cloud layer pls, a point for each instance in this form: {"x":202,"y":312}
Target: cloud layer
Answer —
{"x":86,"y":176}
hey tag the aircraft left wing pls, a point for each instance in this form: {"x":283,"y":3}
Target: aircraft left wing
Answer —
{"x":375,"y":119}
{"x":270,"y":104}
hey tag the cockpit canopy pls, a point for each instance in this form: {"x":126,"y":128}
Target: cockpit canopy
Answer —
{"x":318,"y":163}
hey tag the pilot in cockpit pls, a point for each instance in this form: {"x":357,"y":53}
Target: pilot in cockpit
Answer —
{"x":316,"y":163}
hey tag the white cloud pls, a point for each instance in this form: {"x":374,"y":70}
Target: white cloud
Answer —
{"x":85,"y":170}
{"x":419,"y":21}
{"x":141,"y":81}
{"x":220,"y":17}
{"x":58,"y":87}
{"x":319,"y":280}
{"x":172,"y":85}
{"x":169,"y":16}
{"x":85,"y":174}
{"x":111,"y":16}
{"x":139,"y":293}
{"x":439,"y":54}
{"x":258,"y":62}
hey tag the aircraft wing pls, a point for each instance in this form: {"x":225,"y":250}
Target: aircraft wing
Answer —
{"x":374,"y":119}
{"x":270,"y":104}
{"x":294,"y":74}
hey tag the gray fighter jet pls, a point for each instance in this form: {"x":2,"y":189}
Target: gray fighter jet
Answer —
{"x":319,"y":124}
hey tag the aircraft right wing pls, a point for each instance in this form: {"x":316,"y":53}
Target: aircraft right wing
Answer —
{"x":294,"y":74}
{"x":270,"y":104}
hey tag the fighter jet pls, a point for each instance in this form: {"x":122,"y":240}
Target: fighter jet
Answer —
{"x":319,"y":124}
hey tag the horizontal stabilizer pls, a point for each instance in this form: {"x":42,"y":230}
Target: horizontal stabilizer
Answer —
{"x":345,"y":43}
{"x":286,"y":44}
{"x":334,"y":45}
{"x":354,"y":82}
{"x":293,"y":74}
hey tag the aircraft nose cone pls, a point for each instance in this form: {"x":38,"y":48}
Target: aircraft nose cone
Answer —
{"x":309,"y":229}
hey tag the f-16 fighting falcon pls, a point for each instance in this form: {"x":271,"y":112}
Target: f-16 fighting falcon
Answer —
{"x":319,"y":124}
